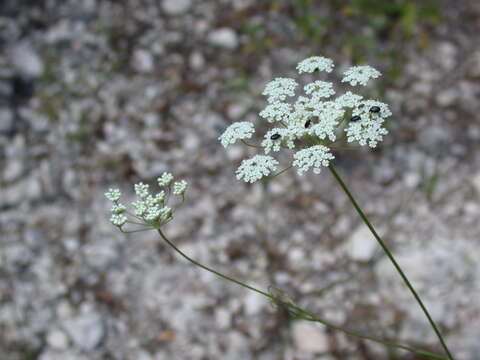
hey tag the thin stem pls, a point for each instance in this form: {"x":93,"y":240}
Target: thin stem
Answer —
{"x":345,"y":147}
{"x":279,"y":173}
{"x":392,"y":259}
{"x":136,"y":223}
{"x":306,"y":315}
{"x":135,"y":231}
{"x":251,"y":145}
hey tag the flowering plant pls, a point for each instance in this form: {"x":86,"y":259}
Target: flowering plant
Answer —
{"x":313,"y":125}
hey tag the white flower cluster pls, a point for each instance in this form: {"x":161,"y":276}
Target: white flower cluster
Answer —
{"x":311,"y":123}
{"x":180,"y":187}
{"x":319,"y":89}
{"x":312,"y":157}
{"x":237,"y":131}
{"x":255,"y":168}
{"x":278,"y":89}
{"x":368,"y":130}
{"x":360,"y":75}
{"x":151,"y":210}
{"x":277,"y":137}
{"x":276,"y":112}
{"x":314,"y":63}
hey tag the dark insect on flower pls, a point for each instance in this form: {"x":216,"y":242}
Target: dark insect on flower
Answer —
{"x":355,"y":118}
{"x":361,"y":106}
{"x":374,"y":109}
{"x":275,"y":136}
{"x":308,"y":123}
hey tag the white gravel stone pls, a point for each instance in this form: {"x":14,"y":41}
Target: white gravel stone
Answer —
{"x":25,"y":60}
{"x":309,"y":337}
{"x":254,"y":303}
{"x":223,"y":318}
{"x":57,"y":339}
{"x":197,"y":61}
{"x":86,"y":331}
{"x":143,"y":61}
{"x":223,"y":37}
{"x":176,"y":7}
{"x":476,"y":182}
{"x":361,"y":245}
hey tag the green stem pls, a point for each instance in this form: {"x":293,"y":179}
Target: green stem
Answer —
{"x":392,"y":259}
{"x":251,"y":145}
{"x":279,"y":173}
{"x":306,"y":315}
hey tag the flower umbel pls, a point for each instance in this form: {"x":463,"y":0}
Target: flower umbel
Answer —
{"x":312,"y":122}
{"x":360,"y":75}
{"x":165,"y":180}
{"x":279,"y":88}
{"x":256,"y":168}
{"x":313,"y":63}
{"x":149,"y":210}
{"x":179,"y":187}
{"x":313,"y":157}
{"x":237,"y":131}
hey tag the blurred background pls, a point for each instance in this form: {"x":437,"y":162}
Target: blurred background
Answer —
{"x":102,"y":93}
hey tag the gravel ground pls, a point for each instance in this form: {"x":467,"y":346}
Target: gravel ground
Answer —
{"x":96,"y":94}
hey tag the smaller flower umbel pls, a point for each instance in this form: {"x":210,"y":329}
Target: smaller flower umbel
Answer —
{"x":151,"y":211}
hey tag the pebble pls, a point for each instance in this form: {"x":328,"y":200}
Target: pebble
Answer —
{"x":309,"y":337}
{"x":86,"y":331}
{"x":176,"y":7}
{"x":476,"y":182}
{"x":26,"y":60}
{"x":57,"y":339}
{"x":224,"y":37}
{"x":143,"y":61}
{"x":254,"y":303}
{"x":361,"y":245}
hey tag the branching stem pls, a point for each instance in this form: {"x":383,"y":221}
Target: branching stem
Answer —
{"x":392,"y":259}
{"x":299,"y":312}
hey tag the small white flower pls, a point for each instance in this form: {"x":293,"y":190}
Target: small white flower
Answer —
{"x":165,"y":179}
{"x":118,"y":219}
{"x":159,"y":198}
{"x":153,"y":213}
{"x":281,"y":136}
{"x":140,"y":207}
{"x":165,"y":213}
{"x":279,"y":88}
{"x":360,"y":75}
{"x":313,"y":157}
{"x":118,"y":208}
{"x":276,"y":112}
{"x":237,"y":131}
{"x":255,"y":168}
{"x":348,"y":100}
{"x":319,"y":89}
{"x":113,"y":194}
{"x":328,"y":116}
{"x":141,"y":190}
{"x":179,"y":187}
{"x":369,"y":129}
{"x":313,"y":63}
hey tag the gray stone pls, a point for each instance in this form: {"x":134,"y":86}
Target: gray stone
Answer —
{"x":57,"y":339}
{"x":26,"y":60}
{"x":254,"y":303}
{"x":224,"y":38}
{"x":143,"y":61}
{"x":309,"y":337}
{"x":86,"y":331}
{"x":361,"y":245}
{"x":176,"y":7}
